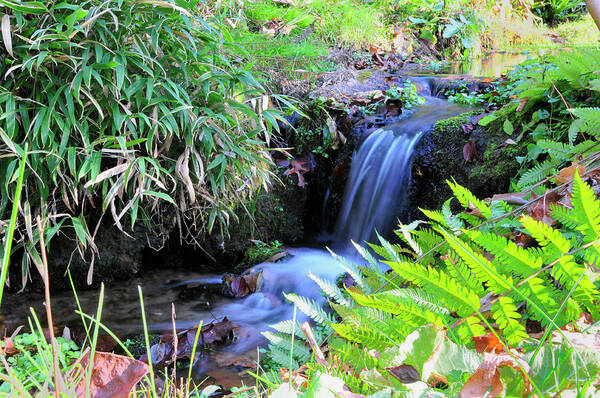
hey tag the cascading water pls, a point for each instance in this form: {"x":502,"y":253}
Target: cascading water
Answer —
{"x":377,"y":189}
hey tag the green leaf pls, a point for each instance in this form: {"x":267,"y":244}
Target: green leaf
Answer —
{"x":508,"y":127}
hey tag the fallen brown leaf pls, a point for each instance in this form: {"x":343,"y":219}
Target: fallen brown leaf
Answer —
{"x":488,"y":343}
{"x":566,"y":174}
{"x":406,"y":374}
{"x":113,"y":376}
{"x":486,"y":379}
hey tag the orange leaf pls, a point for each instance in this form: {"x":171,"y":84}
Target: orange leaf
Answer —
{"x":566,"y":175}
{"x":113,"y":376}
{"x":488,"y":343}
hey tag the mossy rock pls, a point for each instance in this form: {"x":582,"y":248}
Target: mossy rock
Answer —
{"x":439,"y":157}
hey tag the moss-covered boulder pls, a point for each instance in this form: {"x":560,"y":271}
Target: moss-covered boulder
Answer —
{"x":439,"y":157}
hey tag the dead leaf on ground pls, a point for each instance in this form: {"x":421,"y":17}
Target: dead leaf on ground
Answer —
{"x":584,"y":341}
{"x":566,"y":174}
{"x":522,"y":103}
{"x":488,"y":343}
{"x":298,"y":166}
{"x":406,"y":374}
{"x":113,"y":376}
{"x":470,"y":151}
{"x":486,"y":379}
{"x":162,"y":353}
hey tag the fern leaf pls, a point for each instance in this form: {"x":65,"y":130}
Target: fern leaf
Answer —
{"x":586,"y":209}
{"x":418,"y":297}
{"x":506,"y":315}
{"x":352,"y":269}
{"x":282,"y":357}
{"x":409,"y":312}
{"x":459,"y":271}
{"x":541,"y":300}
{"x":551,"y":240}
{"x":451,"y":221}
{"x":591,"y":120}
{"x":330,"y":289}
{"x":467,"y":199}
{"x":361,"y":335}
{"x":283,"y":342}
{"x":513,"y":258}
{"x":434,"y":215}
{"x":538,"y":173}
{"x":481,"y":266}
{"x":288,"y":327}
{"x":310,"y":308}
{"x":564,"y":215}
{"x":470,"y":328}
{"x":572,"y":275}
{"x":451,"y":294}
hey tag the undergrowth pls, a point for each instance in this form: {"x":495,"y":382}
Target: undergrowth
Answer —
{"x":456,"y":277}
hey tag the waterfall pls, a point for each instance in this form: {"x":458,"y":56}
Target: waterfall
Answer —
{"x":377,"y":189}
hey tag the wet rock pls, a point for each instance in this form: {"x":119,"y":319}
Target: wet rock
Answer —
{"x":439,"y":157}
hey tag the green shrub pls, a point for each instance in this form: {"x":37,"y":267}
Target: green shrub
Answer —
{"x":129,"y":108}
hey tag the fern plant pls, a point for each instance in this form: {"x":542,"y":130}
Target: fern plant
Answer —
{"x":463,"y":277}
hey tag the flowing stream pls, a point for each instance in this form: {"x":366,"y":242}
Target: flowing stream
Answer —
{"x":375,"y":193}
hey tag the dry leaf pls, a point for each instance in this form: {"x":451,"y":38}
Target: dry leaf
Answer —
{"x":6,"y":36}
{"x":488,"y":343}
{"x":113,"y":376}
{"x":405,"y":373}
{"x":566,"y":175}
{"x":486,"y":379}
{"x":522,"y":103}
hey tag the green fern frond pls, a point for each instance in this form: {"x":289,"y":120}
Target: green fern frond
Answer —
{"x":362,"y":335}
{"x":564,"y":215}
{"x":538,"y":173}
{"x":353,"y":270}
{"x":352,"y":354}
{"x":570,"y":274}
{"x":586,"y":208}
{"x":560,"y":150}
{"x":310,"y":308}
{"x":452,"y":294}
{"x":541,"y":300}
{"x":434,"y":215}
{"x":551,"y":240}
{"x":467,"y":199}
{"x":591,"y":120}
{"x":451,"y":221}
{"x":506,"y":315}
{"x":288,"y":327}
{"x":418,"y":297}
{"x":366,"y":255}
{"x":457,"y":269}
{"x":409,"y":312}
{"x":481,"y":266}
{"x":283,"y":342}
{"x":470,"y":328}
{"x":512,"y":258}
{"x":330,"y":289}
{"x":282,"y":357}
